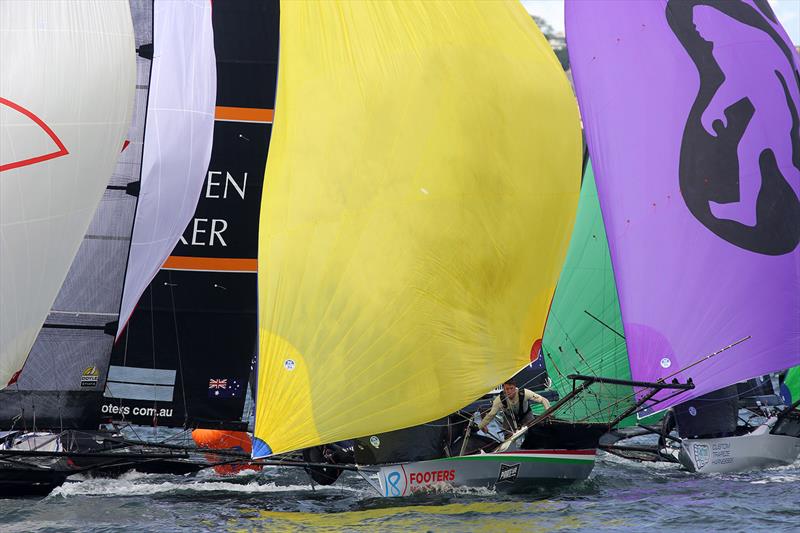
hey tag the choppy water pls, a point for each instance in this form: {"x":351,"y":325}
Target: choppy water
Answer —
{"x":620,"y":495}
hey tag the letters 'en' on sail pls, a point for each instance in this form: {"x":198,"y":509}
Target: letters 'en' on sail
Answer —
{"x":691,"y":114}
{"x":66,"y":97}
{"x":420,"y":189}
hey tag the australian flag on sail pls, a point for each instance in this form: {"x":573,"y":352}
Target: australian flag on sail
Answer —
{"x":224,"y":388}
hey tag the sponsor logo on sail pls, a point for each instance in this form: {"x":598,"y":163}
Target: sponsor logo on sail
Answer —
{"x":125,"y":410}
{"x":700,"y":455}
{"x":90,"y":377}
{"x":508,"y":473}
{"x":735,"y":179}
{"x":209,"y":231}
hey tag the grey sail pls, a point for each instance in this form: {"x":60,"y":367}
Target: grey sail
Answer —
{"x":62,"y":380}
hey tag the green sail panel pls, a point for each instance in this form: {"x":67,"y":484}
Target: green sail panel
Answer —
{"x":790,"y":389}
{"x":584,"y":333}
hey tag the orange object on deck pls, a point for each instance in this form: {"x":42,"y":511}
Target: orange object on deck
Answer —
{"x":216,"y":439}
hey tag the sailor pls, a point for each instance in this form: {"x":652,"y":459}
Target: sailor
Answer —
{"x":515,"y":403}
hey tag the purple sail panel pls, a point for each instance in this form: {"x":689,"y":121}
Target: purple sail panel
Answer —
{"x":691,"y":114}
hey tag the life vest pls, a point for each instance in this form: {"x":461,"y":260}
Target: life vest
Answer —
{"x":523,"y":408}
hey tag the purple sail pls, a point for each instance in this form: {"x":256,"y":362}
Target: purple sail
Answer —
{"x":691,"y":114}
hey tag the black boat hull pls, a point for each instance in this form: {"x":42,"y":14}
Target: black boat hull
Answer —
{"x":17,"y":481}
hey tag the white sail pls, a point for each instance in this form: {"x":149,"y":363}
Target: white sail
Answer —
{"x":178,"y":138}
{"x":67,"y":85}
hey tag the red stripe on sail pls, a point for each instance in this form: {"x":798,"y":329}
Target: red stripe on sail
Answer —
{"x":62,"y":150}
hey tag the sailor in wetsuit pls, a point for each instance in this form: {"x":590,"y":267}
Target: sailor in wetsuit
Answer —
{"x":516,"y":407}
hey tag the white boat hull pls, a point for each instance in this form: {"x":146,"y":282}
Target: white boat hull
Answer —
{"x":512,"y":471}
{"x":36,"y":441}
{"x":754,"y":451}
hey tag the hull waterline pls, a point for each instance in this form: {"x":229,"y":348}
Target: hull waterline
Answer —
{"x":754,"y":451}
{"x":513,"y":471}
{"x":18,"y":480}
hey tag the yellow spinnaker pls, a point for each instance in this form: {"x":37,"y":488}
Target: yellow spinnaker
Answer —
{"x":421,"y":186}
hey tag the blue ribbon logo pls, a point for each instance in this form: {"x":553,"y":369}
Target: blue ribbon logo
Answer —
{"x":392,"y":480}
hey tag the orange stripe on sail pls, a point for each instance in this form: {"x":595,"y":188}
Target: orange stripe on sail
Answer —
{"x":213,"y":264}
{"x":244,"y":114}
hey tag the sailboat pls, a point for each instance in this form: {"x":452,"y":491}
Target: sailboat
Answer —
{"x":691,"y":117}
{"x":584,"y":335}
{"x":66,"y":98}
{"x":421,"y":184}
{"x":60,"y":388}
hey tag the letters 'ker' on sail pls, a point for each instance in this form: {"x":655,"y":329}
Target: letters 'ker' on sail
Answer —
{"x":691,"y":114}
{"x":420,"y":189}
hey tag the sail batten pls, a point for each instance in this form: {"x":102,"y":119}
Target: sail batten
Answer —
{"x":414,"y":215}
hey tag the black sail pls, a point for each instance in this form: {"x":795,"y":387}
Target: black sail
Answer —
{"x":184,"y":358}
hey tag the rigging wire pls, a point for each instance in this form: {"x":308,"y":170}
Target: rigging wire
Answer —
{"x":702,"y":359}
{"x":153,"y":345}
{"x":604,"y":388}
{"x":178,"y":348}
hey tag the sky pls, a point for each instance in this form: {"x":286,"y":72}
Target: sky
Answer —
{"x":787,"y":11}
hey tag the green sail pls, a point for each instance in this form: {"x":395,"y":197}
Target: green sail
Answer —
{"x":584,"y":333}
{"x":790,"y":390}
